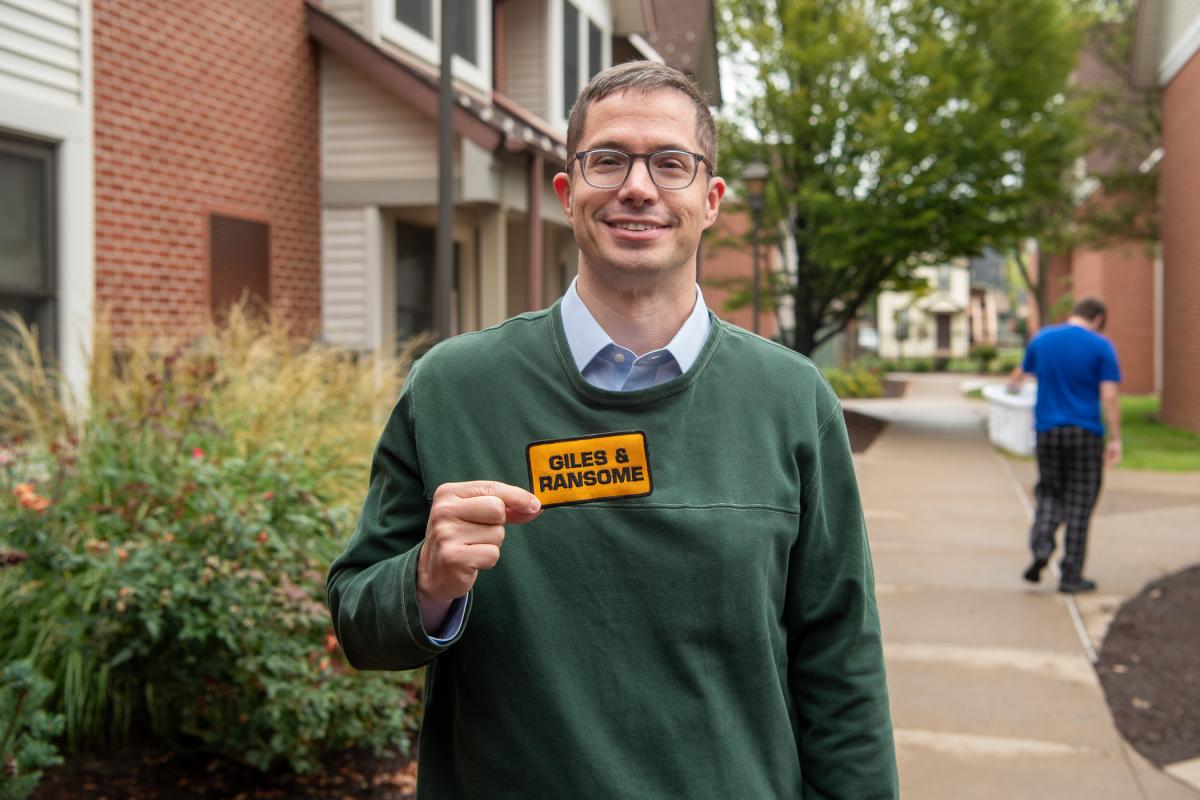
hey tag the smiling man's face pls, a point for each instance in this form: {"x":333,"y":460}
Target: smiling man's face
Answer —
{"x":639,"y":231}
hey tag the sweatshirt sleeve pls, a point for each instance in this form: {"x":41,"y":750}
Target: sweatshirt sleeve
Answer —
{"x":372,"y":585}
{"x":835,"y":652}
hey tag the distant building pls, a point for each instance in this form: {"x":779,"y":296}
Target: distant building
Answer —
{"x":932,"y":323}
{"x":1166,"y":57}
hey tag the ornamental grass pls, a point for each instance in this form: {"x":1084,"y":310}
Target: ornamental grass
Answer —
{"x":164,"y":539}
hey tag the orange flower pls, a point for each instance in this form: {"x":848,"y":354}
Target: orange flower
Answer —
{"x":197,"y":452}
{"x":267,"y":495}
{"x":30,"y":499}
{"x":122,"y":554}
{"x":324,"y":664}
{"x":331,"y":642}
{"x":168,"y":537}
{"x":262,"y":537}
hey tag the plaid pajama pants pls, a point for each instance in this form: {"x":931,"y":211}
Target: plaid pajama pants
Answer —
{"x":1070,"y":469}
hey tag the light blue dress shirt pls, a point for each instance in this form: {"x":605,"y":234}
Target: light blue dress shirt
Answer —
{"x":606,"y":365}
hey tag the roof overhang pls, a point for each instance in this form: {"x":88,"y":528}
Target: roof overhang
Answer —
{"x":1145,"y":52}
{"x":486,"y":124}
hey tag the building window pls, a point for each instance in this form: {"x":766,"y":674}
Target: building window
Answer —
{"x":416,"y":14}
{"x":239,"y":254}
{"x":570,"y":55}
{"x":415,"y":256}
{"x":943,"y":278}
{"x":580,"y":49}
{"x":595,"y":50}
{"x":423,"y":16}
{"x":27,"y":274}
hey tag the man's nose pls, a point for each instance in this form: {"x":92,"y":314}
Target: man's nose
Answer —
{"x":639,"y":188}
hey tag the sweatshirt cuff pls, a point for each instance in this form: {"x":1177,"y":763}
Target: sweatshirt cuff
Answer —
{"x":453,"y":624}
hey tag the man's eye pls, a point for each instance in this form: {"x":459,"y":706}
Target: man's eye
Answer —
{"x":607,"y":161}
{"x":669,"y":163}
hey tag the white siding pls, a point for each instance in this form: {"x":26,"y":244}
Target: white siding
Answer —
{"x":1181,"y":37}
{"x":352,"y":13}
{"x":368,"y":133}
{"x":527,"y":32}
{"x":40,"y":49}
{"x":344,"y":276}
{"x":45,"y":95}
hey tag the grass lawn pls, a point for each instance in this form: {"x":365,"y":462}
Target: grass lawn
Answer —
{"x":1149,"y":444}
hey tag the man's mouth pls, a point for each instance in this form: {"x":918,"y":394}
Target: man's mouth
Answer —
{"x":635,"y":226}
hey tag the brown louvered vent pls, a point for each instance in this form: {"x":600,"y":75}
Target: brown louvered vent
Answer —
{"x":239,"y":264}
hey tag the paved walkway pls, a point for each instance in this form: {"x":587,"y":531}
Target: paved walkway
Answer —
{"x":993,"y":695}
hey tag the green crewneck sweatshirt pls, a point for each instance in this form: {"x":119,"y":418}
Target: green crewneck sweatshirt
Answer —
{"x":715,"y":638}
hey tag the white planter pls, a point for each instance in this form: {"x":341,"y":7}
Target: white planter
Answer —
{"x":1010,"y":417}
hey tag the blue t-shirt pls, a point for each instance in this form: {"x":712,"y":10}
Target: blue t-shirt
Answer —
{"x":1070,"y":362}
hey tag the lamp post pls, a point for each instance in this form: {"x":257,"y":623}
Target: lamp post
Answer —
{"x":755,"y":178}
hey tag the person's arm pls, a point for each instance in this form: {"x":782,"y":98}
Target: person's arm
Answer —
{"x":835,"y":650}
{"x":410,"y":558}
{"x":1110,"y":401}
{"x":1016,"y":379}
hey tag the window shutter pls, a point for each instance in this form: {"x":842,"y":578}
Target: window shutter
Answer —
{"x":239,"y":263}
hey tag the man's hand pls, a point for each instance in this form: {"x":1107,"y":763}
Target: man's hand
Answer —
{"x":1112,"y":452}
{"x":463,"y":535}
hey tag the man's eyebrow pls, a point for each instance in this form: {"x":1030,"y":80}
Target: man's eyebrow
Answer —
{"x":609,"y":144}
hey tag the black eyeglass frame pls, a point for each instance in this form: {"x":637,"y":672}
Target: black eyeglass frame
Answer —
{"x":698,"y":159}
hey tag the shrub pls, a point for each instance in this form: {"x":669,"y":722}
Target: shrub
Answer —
{"x":176,"y":538}
{"x":26,"y":730}
{"x":854,"y":382}
{"x":983,"y":355}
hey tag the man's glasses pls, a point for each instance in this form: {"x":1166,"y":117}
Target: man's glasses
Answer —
{"x":669,"y":169}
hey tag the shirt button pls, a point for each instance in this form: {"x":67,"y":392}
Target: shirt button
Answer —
{"x":619,"y":358}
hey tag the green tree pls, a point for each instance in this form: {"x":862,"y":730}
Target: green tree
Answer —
{"x":899,"y":133}
{"x":1113,"y":193}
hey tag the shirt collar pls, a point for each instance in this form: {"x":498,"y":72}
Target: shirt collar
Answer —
{"x":586,"y":338}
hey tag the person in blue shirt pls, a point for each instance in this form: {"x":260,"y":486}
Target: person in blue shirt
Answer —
{"x":1077,"y":375}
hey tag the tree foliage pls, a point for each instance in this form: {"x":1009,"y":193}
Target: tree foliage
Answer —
{"x":898,"y":133}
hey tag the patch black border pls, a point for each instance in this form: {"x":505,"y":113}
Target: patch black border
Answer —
{"x":645,"y":449}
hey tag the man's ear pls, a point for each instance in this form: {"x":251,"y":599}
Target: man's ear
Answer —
{"x":712,"y":201}
{"x":562,"y":188}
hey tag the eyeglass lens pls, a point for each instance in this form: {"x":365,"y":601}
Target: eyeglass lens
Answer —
{"x":669,"y":169}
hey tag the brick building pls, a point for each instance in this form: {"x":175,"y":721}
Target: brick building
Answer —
{"x":1124,"y":273}
{"x":206,"y":158}
{"x":1166,"y":56}
{"x":159,"y":160}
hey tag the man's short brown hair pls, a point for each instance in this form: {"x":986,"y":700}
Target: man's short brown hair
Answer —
{"x":644,"y":77}
{"x":1090,"y":309}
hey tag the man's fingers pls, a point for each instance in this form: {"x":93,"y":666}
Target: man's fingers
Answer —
{"x":486,"y":510}
{"x":521,"y":505}
{"x":479,"y":556}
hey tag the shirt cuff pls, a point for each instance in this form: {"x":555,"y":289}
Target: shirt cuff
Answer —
{"x":453,"y":622}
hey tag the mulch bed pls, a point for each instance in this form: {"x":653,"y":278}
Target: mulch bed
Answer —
{"x":863,"y":430}
{"x":1150,"y":668}
{"x":149,"y":773}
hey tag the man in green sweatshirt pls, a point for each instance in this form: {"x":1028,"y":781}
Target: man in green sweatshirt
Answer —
{"x":624,"y":535}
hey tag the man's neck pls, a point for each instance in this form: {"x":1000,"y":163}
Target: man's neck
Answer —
{"x":640,"y":319}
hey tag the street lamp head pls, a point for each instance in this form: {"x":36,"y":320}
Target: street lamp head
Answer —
{"x":754,"y":176}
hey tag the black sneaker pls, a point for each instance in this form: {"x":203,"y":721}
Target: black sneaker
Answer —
{"x":1034,"y":573}
{"x":1076,"y":586}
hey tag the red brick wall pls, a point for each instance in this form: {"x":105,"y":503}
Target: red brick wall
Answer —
{"x":1122,"y":277}
{"x":202,"y":108}
{"x":725,"y":255}
{"x":1058,"y":285}
{"x":1180,"y":175}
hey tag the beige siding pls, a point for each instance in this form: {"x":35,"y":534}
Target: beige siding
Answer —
{"x":344,"y":276}
{"x":527,"y":32}
{"x":40,"y":44}
{"x":1178,"y":18}
{"x":368,"y":133}
{"x":352,"y":13}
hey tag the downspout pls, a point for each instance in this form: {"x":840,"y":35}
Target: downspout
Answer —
{"x":533,"y":275}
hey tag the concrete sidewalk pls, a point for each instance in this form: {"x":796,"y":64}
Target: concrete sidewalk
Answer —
{"x":993,"y":695}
